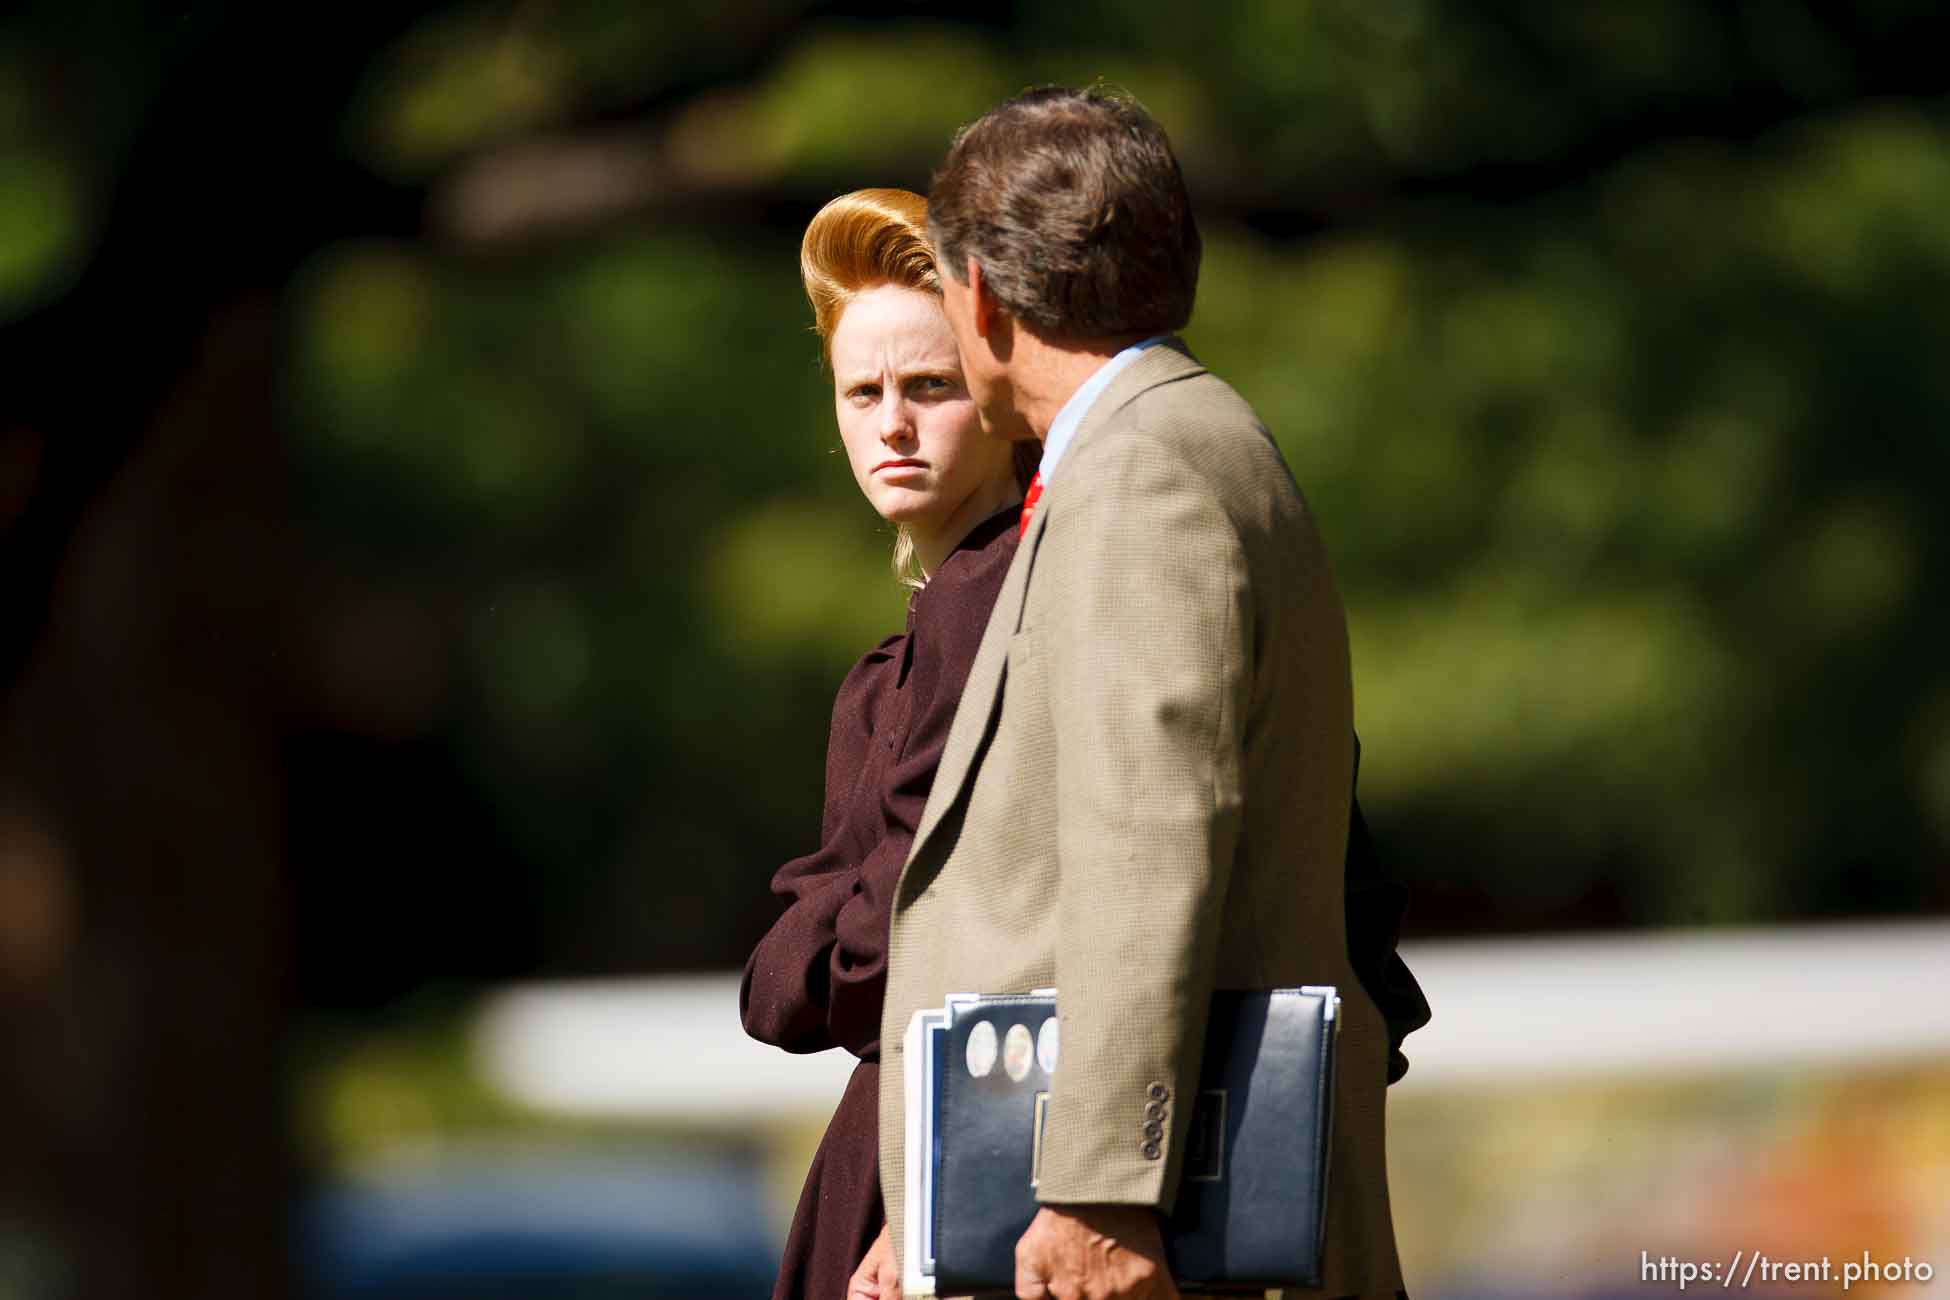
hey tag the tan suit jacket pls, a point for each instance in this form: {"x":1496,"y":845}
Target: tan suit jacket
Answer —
{"x":1145,"y":796}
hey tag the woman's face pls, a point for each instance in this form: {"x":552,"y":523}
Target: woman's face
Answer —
{"x":910,"y":428}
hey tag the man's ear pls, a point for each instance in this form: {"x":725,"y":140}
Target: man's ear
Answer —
{"x":981,"y":301}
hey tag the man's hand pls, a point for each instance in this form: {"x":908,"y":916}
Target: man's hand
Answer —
{"x":878,"y":1277}
{"x":1093,"y":1252}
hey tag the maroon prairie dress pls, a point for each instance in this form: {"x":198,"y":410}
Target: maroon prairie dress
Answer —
{"x":817,"y":978}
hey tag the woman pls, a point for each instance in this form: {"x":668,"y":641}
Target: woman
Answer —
{"x":919,"y":454}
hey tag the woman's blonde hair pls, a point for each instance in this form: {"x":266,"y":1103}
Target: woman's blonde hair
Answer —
{"x":860,"y":241}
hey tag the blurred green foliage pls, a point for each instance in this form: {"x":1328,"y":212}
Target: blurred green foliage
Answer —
{"x":1607,"y":342}
{"x":1629,"y":481}
{"x":43,"y":218}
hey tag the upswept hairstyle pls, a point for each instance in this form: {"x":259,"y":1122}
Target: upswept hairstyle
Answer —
{"x":1072,"y":203}
{"x":860,"y":241}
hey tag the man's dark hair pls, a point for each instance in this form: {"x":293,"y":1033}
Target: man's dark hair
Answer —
{"x":1073,"y":204}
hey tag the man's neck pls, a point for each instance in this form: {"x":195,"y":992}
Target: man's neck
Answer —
{"x":1049,"y":371}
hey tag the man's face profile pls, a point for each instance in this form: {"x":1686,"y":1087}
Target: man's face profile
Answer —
{"x":985,"y":375}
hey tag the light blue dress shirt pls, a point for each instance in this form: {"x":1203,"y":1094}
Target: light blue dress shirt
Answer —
{"x":1064,"y":427}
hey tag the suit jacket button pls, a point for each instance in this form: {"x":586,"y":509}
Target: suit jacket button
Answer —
{"x":1159,"y":1092}
{"x":1154,"y":1110}
{"x":1154,"y":1130}
{"x":1150,"y":1150}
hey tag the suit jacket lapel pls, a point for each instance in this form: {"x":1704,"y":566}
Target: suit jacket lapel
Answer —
{"x":982,"y":694}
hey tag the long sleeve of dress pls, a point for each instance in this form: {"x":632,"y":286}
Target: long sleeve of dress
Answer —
{"x":1376,"y":903}
{"x":818,"y":977}
{"x":948,"y":628}
{"x":785,"y":992}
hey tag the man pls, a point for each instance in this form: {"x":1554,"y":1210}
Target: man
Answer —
{"x":1146,"y":792}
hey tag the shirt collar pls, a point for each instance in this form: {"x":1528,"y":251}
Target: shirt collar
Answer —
{"x":1064,"y":427}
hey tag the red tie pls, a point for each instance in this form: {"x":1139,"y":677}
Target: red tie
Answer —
{"x":1029,"y":500}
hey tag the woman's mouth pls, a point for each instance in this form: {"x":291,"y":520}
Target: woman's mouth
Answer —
{"x":907,"y":463}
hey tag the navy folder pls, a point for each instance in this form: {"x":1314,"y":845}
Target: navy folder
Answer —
{"x":1252,"y":1201}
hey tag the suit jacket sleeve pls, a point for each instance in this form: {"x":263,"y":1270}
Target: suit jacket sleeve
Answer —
{"x":786,"y":994}
{"x":1147,"y":645}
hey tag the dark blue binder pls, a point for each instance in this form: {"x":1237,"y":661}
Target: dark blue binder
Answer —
{"x":1252,"y":1202}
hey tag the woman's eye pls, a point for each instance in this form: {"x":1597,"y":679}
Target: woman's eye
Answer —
{"x":864,"y":392}
{"x":935,"y":384}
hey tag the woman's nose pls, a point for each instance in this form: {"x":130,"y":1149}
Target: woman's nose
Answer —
{"x":896,"y":421}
